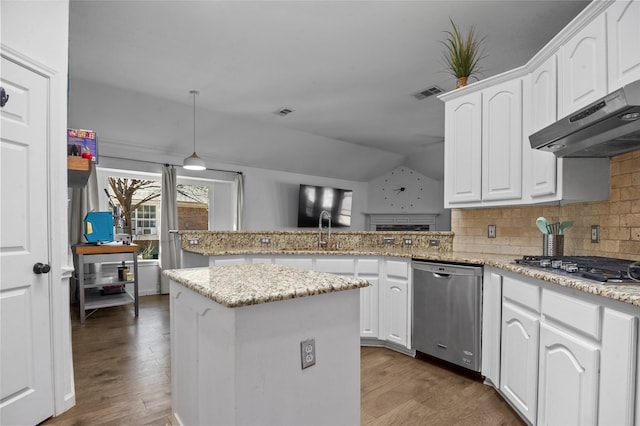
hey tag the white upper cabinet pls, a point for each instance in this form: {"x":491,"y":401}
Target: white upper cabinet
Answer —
{"x":463,"y":149}
{"x":483,"y":146}
{"x":584,"y":67}
{"x":623,"y":42}
{"x":488,"y":156}
{"x":540,"y":166}
{"x":501,"y":141}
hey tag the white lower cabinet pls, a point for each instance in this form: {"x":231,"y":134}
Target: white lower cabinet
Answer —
{"x":343,"y":266}
{"x":227,"y":260}
{"x":394,"y":311}
{"x":566,"y":357}
{"x":369,"y":269}
{"x":491,"y":319}
{"x":520,"y":338}
{"x":303,"y":262}
{"x":395,"y":302}
{"x":568,"y":385}
{"x":385,"y":305}
{"x":617,"y":360}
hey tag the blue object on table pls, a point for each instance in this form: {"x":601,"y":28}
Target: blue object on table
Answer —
{"x":98,"y":227}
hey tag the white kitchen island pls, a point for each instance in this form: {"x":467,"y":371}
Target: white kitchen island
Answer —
{"x":236,"y":334}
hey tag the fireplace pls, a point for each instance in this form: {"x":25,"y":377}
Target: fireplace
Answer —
{"x":406,"y":222}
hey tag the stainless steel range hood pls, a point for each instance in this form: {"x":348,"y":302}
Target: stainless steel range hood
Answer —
{"x":607,"y":127}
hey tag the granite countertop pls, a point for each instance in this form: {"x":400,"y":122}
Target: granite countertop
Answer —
{"x":236,"y":286}
{"x":629,"y":293}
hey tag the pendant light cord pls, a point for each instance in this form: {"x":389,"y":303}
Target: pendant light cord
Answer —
{"x":194,"y":92}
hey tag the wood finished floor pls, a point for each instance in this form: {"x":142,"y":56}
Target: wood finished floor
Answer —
{"x":122,"y":377}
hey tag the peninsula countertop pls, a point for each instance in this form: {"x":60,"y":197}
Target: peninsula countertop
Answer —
{"x":236,"y":286}
{"x":629,"y":293}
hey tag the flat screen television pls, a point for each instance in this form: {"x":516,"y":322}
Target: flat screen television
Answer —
{"x":313,"y":200}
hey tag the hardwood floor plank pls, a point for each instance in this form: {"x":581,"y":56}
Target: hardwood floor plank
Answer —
{"x":122,"y":377}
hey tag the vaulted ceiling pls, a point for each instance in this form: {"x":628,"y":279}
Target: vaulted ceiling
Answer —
{"x":347,"y":69}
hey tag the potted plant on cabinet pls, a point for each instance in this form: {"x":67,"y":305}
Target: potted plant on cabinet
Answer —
{"x":462,"y":54}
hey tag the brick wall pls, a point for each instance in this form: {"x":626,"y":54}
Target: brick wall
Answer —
{"x":193,"y":218}
{"x":517,"y":234}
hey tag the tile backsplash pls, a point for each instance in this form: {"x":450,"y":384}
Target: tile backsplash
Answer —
{"x":517,"y":234}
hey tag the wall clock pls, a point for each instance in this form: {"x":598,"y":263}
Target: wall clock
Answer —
{"x":402,"y":189}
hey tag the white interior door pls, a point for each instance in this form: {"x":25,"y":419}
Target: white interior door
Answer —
{"x":26,"y":389}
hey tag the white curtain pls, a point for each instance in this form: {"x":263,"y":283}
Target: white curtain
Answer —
{"x":239,"y":200}
{"x":83,"y":200}
{"x":168,"y":222}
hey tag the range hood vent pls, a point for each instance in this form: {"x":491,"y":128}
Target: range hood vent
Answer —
{"x":608,"y":127}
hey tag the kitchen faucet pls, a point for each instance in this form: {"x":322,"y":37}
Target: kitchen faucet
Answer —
{"x":320,"y":242}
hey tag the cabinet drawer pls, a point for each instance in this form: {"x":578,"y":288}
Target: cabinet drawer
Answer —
{"x":524,"y":294}
{"x":368,"y":266}
{"x":398,"y":269}
{"x":577,"y":314}
{"x":295,"y":262}
{"x":335,"y":266}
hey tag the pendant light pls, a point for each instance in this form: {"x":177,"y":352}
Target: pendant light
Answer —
{"x":194,"y":162}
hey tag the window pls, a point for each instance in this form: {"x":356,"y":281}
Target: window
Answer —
{"x":139,"y":193}
{"x":143,"y":220}
{"x":193,"y":207}
{"x":135,"y":199}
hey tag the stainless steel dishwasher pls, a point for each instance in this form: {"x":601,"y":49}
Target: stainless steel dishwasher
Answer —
{"x":447,"y":312}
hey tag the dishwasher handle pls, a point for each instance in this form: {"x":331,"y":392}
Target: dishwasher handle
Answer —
{"x":441,"y":270}
{"x":441,"y":275}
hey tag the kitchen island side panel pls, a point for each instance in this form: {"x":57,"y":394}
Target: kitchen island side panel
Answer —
{"x":248,"y":363}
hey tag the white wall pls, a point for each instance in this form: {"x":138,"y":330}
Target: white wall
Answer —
{"x":271,"y":199}
{"x":431,"y":198}
{"x":429,"y":161}
{"x":155,"y":124}
{"x":137,"y":126}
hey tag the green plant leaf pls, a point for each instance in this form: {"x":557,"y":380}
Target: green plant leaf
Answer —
{"x":462,"y":53}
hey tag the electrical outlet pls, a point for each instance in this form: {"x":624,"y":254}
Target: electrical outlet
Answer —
{"x":308,"y":353}
{"x":265,"y":240}
{"x":491,"y":231}
{"x":408,"y":241}
{"x":595,"y":233}
{"x":194,"y":242}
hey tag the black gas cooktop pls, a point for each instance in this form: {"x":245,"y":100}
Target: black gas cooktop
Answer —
{"x":604,"y":270}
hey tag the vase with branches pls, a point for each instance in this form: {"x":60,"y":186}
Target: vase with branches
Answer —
{"x":462,"y":53}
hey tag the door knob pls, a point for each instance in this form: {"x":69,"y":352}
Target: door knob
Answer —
{"x":41,"y":268}
{"x":4,"y":98}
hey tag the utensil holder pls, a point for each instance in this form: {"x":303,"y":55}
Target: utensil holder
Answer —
{"x":552,"y":245}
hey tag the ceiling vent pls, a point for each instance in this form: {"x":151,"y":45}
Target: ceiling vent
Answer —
{"x":284,"y":111}
{"x":427,"y":92}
